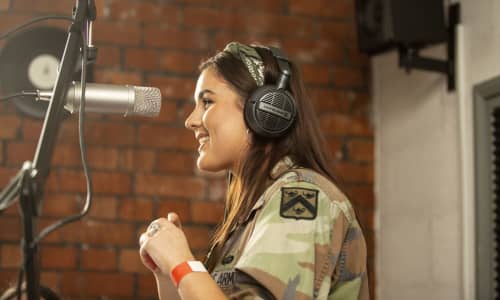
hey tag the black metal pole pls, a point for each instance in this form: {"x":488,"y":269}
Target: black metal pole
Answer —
{"x":35,"y":175}
{"x":53,"y":117}
{"x":30,"y":252}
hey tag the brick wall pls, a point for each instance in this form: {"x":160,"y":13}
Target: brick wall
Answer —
{"x":144,"y":167}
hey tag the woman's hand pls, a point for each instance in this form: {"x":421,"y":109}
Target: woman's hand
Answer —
{"x":164,"y":245}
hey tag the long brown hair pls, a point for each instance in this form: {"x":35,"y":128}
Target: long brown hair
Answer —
{"x":304,"y":143}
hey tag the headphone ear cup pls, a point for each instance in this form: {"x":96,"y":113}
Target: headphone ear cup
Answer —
{"x":270,"y":112}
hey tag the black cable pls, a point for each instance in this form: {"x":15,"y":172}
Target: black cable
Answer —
{"x":33,"y":21}
{"x":17,"y":95}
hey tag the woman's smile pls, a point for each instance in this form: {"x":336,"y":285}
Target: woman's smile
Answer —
{"x":203,"y":140}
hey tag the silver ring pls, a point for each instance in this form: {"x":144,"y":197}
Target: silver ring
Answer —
{"x":153,"y":229}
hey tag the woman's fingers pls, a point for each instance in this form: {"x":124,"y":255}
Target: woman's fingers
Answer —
{"x":174,"y":218}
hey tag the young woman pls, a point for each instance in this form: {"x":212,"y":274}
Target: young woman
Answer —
{"x":288,"y":231}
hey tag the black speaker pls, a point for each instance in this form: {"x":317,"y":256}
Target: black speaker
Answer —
{"x":384,"y":24}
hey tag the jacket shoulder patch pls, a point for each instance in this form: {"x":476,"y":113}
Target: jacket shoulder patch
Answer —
{"x":299,"y":203}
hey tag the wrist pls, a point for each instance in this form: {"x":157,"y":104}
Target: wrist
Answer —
{"x":185,"y":268}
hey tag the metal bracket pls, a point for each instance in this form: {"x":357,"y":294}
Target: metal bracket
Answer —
{"x":409,"y":58}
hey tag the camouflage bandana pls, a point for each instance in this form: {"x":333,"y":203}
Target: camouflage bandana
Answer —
{"x":250,"y":57}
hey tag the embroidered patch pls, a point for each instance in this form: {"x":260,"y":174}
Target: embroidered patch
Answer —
{"x":299,"y":203}
{"x":224,"y":279}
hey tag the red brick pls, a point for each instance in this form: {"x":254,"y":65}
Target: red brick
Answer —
{"x":206,"y":18}
{"x":60,"y":205}
{"x":168,"y":113}
{"x":270,"y":24}
{"x":323,"y":8}
{"x":362,"y":196}
{"x":118,"y":77}
{"x":222,"y":38}
{"x":335,"y":147}
{"x":50,"y":280}
{"x":147,"y":287}
{"x":361,"y":150}
{"x":10,"y":256}
{"x":355,"y":57}
{"x":303,"y":50}
{"x":354,"y":173}
{"x":136,"y":209}
{"x":251,"y":6}
{"x":68,"y":131}
{"x":67,"y":155}
{"x":130,"y":262}
{"x":9,"y":127}
{"x":31,"y":129}
{"x":99,"y":233}
{"x":207,"y":212}
{"x":156,"y":136}
{"x":7,"y":279}
{"x":179,"y":62}
{"x":66,"y":181}
{"x":340,"y":31}
{"x":4,"y":4}
{"x":112,"y":183}
{"x":362,"y":105}
{"x":115,"y":134}
{"x":11,"y":20}
{"x":348,"y":77}
{"x":6,"y":174}
{"x":17,"y":153}
{"x":163,"y":37}
{"x":133,"y":11}
{"x":137,"y":160}
{"x":142,"y":59}
{"x":316,"y":74}
{"x":55,"y":236}
{"x":342,"y":125}
{"x":157,"y":185}
{"x":103,"y":207}
{"x":102,"y":158}
{"x":99,"y":259}
{"x":87,"y":284}
{"x":106,"y":32}
{"x":44,"y":6}
{"x":176,"y":163}
{"x":58,"y":258}
{"x":198,"y":237}
{"x":180,"y":207}
{"x":108,"y":56}
{"x":331,"y":100}
{"x":173,"y":87}
{"x":10,"y":229}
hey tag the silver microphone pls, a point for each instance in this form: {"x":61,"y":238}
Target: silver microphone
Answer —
{"x":109,"y":98}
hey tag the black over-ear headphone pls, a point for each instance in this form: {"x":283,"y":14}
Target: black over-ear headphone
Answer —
{"x":270,"y":111}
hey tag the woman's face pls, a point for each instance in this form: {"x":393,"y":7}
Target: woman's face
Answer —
{"x":218,"y":124}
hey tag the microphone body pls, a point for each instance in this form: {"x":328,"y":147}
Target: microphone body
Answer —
{"x":109,"y":98}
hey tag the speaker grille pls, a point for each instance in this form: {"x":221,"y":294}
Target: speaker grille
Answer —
{"x":274,"y":121}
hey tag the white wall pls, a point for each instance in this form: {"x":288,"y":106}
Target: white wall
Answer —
{"x":424,"y":169}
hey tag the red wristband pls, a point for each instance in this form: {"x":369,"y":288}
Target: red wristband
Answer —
{"x":185,"y":268}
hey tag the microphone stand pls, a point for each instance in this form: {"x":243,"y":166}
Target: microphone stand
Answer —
{"x":28,"y":183}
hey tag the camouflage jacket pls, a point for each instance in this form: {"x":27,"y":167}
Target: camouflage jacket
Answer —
{"x":301,"y":241}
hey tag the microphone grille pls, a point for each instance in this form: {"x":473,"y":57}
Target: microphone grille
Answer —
{"x":147,"y":101}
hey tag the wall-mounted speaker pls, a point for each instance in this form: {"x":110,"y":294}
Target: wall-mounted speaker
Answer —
{"x":385,"y":24}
